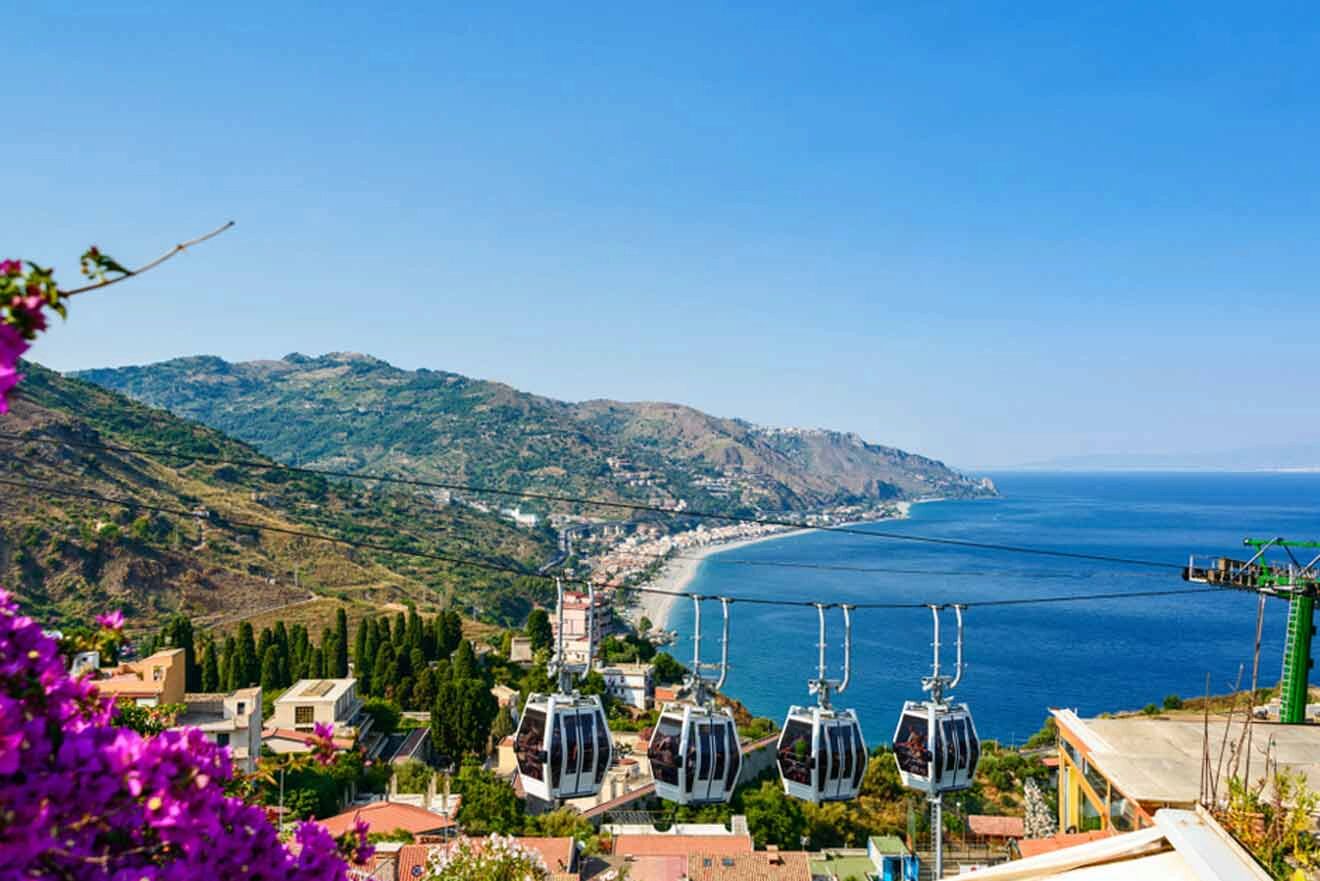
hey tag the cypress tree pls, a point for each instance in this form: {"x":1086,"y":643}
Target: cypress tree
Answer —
{"x":210,"y":668}
{"x":232,"y":665}
{"x":249,"y":672}
{"x":400,"y":633}
{"x":453,"y":631}
{"x":380,"y":671}
{"x":414,"y":629}
{"x":341,"y":643}
{"x":315,"y":664}
{"x":265,"y":641}
{"x":270,"y":669}
{"x":464,"y":664}
{"x":360,"y":649}
{"x":178,"y":633}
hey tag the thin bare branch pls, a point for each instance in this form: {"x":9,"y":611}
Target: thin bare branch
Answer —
{"x":177,"y":249}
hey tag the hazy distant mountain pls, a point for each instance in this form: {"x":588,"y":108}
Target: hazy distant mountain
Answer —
{"x":1282,"y":457}
{"x":355,"y":412}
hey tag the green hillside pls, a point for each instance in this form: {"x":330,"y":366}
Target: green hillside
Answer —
{"x":355,"y":412}
{"x":67,"y":557}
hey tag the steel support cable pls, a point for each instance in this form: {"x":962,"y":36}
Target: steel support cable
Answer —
{"x":633,"y":506}
{"x":50,"y":489}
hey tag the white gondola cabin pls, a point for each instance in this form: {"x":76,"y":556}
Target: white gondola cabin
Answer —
{"x":936,"y":747}
{"x":563,"y":746}
{"x":694,"y":751}
{"x":695,"y":755}
{"x":821,"y":754}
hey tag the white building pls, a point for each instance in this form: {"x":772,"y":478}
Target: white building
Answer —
{"x":632,"y":684}
{"x":575,"y":624}
{"x":232,"y":720}
{"x":308,"y":702}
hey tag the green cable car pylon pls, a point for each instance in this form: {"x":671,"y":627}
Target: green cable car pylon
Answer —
{"x":1294,"y":581}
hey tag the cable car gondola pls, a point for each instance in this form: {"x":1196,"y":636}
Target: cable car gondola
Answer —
{"x":821,"y":751}
{"x":694,"y":750}
{"x":563,"y":745}
{"x":936,"y":747}
{"x":935,"y":743}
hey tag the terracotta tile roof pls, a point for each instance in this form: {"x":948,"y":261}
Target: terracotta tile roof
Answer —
{"x":995,"y":827}
{"x":1031,"y":847}
{"x":304,"y":737}
{"x":662,"y":844}
{"x":672,"y":867}
{"x":559,"y":854}
{"x":384,"y":816}
{"x":755,"y":866}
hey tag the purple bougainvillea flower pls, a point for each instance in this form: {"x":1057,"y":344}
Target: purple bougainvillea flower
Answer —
{"x":12,"y":345}
{"x":11,"y":267}
{"x":111,"y":620}
{"x":9,"y":377}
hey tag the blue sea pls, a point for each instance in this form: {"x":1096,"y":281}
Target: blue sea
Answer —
{"x":1093,"y":656}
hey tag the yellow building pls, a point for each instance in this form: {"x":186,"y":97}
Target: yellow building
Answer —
{"x":155,"y":680}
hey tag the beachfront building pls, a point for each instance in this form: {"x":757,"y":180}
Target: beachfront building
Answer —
{"x":154,"y":681}
{"x":1117,"y":773}
{"x":631,"y":684}
{"x":232,"y":720}
{"x":575,"y":624}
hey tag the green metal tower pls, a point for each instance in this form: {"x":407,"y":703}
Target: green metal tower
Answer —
{"x":1294,"y":581}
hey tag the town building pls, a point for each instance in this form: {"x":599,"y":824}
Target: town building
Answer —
{"x":631,"y":684}
{"x":232,"y":720}
{"x":520,"y":650}
{"x":154,"y":681}
{"x":1117,"y":773}
{"x":575,"y":608}
{"x":310,"y":702}
{"x":770,"y":864}
{"x":390,"y":816}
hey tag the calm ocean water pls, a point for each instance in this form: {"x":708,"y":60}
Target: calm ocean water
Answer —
{"x":1094,"y":656}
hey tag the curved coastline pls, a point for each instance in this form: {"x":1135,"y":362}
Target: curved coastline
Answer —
{"x":679,"y":572}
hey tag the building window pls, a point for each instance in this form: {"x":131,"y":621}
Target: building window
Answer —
{"x":222,"y":739}
{"x":242,"y":708}
{"x":157,"y":674}
{"x":303,"y":716}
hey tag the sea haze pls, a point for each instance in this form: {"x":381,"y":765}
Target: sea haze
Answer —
{"x":1094,"y":656}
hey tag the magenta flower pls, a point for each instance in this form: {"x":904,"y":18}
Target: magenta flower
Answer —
{"x":9,"y":377}
{"x":12,"y":345}
{"x":11,"y":267}
{"x":87,"y":801}
{"x":111,"y":620}
{"x":323,"y":742}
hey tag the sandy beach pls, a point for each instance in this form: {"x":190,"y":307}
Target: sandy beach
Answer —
{"x":678,"y":572}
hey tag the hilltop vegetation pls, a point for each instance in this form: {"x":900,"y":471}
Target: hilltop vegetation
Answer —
{"x":67,"y":557}
{"x":355,"y":412}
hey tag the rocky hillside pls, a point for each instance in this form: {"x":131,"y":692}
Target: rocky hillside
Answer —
{"x":68,"y":556}
{"x":355,"y":412}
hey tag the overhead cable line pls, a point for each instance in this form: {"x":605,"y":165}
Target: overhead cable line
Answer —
{"x":50,"y":489}
{"x":606,"y":503}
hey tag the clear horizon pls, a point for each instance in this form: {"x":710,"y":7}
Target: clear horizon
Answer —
{"x":991,"y":238}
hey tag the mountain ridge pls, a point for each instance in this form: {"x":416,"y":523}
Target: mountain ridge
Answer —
{"x":358,"y":412}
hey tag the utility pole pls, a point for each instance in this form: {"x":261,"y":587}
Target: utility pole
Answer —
{"x":1294,"y":581}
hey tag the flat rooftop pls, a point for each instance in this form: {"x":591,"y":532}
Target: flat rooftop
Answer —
{"x":1153,"y":759}
{"x":327,"y":690}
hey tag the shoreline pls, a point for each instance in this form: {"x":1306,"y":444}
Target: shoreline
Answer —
{"x":679,"y":572}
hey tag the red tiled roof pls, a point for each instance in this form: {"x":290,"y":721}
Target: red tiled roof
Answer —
{"x":559,"y":855}
{"x":384,"y":816}
{"x":306,"y":737}
{"x":995,"y":827}
{"x":1032,"y":847}
{"x":756,"y":866}
{"x":662,"y":844}
{"x":672,"y":867}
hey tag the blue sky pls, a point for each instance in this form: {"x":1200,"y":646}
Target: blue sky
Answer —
{"x":991,"y":235}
